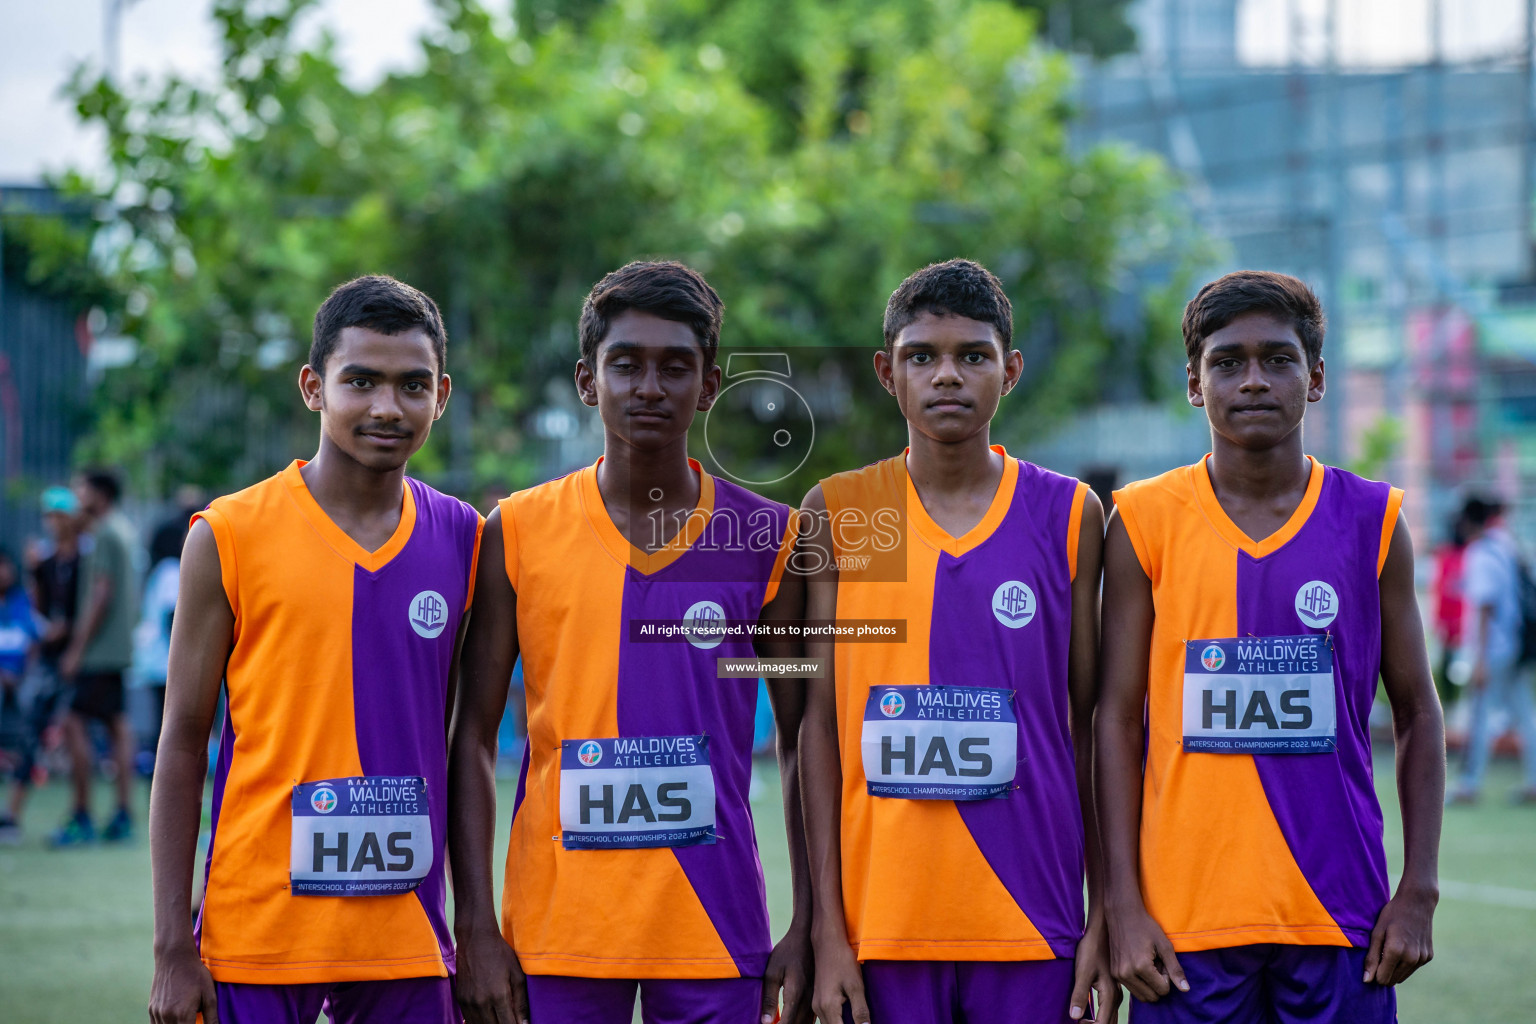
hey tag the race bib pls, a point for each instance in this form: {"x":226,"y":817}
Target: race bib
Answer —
{"x":939,"y":742}
{"x":365,"y":836}
{"x":1260,"y":695}
{"x":636,"y":792}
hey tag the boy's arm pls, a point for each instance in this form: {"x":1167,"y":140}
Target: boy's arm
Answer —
{"x":789,"y":967}
{"x":489,"y":983}
{"x":1401,"y":942}
{"x":1092,"y":960}
{"x":201,"y":637}
{"x":1140,"y":953}
{"x":838,"y":978}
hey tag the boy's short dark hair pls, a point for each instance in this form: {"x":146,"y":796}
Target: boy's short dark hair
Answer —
{"x":104,"y":482}
{"x":952,"y":288}
{"x":664,"y":288}
{"x":1255,"y":291}
{"x":381,"y":304}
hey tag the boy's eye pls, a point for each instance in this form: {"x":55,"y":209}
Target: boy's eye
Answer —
{"x":360,"y":382}
{"x":415,"y":385}
{"x":975,"y":357}
{"x":920,"y":357}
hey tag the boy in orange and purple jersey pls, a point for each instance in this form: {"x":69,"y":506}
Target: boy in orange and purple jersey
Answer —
{"x":328,"y":599}
{"x":1251,"y":601}
{"x":946,"y":780}
{"x":632,"y":863}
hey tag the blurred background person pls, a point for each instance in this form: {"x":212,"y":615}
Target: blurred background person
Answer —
{"x":18,"y":643}
{"x":99,"y":654}
{"x":55,"y":592}
{"x":1491,"y":641}
{"x":1450,"y":561}
{"x":152,"y":637}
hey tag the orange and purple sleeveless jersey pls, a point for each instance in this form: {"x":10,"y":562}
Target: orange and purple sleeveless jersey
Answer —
{"x":1259,"y":819}
{"x":632,"y":852}
{"x":973,"y":706}
{"x":329,"y":800}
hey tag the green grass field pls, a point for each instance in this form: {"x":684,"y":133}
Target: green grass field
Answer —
{"x":75,"y":925}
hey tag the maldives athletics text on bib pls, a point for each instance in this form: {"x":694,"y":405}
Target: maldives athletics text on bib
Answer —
{"x":365,"y":836}
{"x":940,"y":742}
{"x":1260,"y":695}
{"x":636,"y":792}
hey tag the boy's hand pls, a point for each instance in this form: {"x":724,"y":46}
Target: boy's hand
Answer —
{"x":1091,"y":975}
{"x":1142,"y":958}
{"x":182,"y":989}
{"x":790,"y":970}
{"x":489,"y":983}
{"x":1401,"y":942}
{"x":839,"y":980}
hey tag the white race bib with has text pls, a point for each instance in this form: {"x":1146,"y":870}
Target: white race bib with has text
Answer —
{"x":940,"y":742}
{"x":1260,"y":695}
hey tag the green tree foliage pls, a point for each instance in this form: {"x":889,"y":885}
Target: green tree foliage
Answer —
{"x":806,"y":156}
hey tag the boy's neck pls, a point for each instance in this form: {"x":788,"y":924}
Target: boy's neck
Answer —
{"x":643,"y":490}
{"x":1246,"y":475}
{"x":350,"y":492}
{"x":939,"y":467}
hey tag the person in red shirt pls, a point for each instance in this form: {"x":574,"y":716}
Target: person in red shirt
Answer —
{"x":1450,"y":604}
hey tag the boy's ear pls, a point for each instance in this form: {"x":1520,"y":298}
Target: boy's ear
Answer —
{"x":1013,"y":368}
{"x":586,"y":384}
{"x":885,"y":370}
{"x":711,"y":389}
{"x":1316,"y":384}
{"x":312,"y":388}
{"x":444,"y":388}
{"x":1196,"y":395}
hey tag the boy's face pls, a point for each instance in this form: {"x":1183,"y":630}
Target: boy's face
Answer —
{"x":948,"y":374}
{"x":1253,"y":381}
{"x":649,"y":380}
{"x":379,"y":395}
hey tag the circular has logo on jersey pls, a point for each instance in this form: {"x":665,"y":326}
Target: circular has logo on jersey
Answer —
{"x":1213,"y":657}
{"x":323,"y":799}
{"x":892,"y":704}
{"x":589,"y":753}
{"x":704,"y":625}
{"x":1317,"y":604}
{"x":428,"y":613}
{"x":1014,"y":604}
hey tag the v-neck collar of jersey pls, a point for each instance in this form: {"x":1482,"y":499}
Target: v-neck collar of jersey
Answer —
{"x":646,"y":563}
{"x":341,"y":541}
{"x":941,"y":538}
{"x":1233,"y":534}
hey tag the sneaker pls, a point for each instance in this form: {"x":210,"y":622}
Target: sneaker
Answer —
{"x":119,"y":829}
{"x":10,"y":831}
{"x":77,"y":831}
